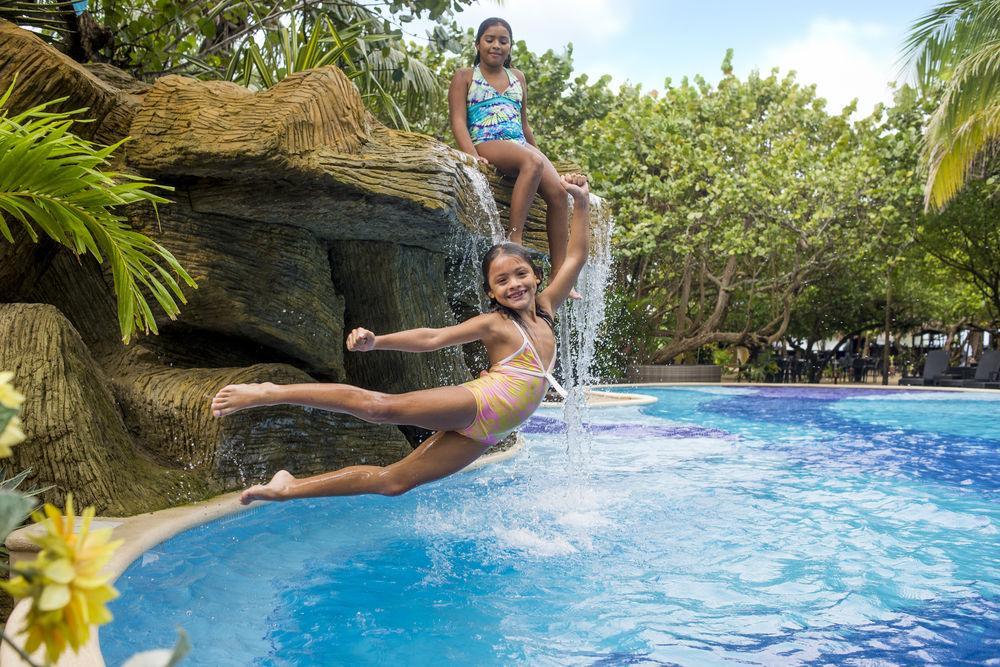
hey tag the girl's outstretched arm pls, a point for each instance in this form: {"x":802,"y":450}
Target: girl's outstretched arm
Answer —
{"x":458,"y":91}
{"x":576,"y":254}
{"x":421,"y":340}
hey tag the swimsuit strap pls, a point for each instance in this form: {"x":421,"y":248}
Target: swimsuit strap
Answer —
{"x":524,"y":341}
{"x":545,"y":373}
{"x":479,"y":78}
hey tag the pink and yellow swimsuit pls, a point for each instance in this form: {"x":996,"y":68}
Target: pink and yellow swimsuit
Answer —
{"x":509,"y":393}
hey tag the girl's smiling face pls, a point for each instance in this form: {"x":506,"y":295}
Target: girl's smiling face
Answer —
{"x":494,"y":46}
{"x":513,"y":282}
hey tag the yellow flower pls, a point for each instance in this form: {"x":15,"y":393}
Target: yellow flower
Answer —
{"x":11,"y":435}
{"x":67,"y":590}
{"x":9,"y":397}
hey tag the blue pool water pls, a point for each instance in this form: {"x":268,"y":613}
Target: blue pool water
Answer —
{"x":738,"y":526}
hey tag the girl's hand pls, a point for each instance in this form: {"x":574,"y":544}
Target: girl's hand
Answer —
{"x":576,"y":185}
{"x":481,"y":160}
{"x":360,"y":340}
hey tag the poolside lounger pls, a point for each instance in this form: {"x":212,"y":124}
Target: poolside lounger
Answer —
{"x":986,"y":373}
{"x":935,"y":364}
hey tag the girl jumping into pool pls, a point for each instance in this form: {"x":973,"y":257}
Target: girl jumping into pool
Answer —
{"x":468,"y":418}
{"x":487,"y":105}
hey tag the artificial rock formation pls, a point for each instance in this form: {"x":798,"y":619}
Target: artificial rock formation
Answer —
{"x":300,"y":216}
{"x":77,"y":439}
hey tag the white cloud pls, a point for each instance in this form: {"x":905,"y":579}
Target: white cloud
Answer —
{"x":844,"y":59}
{"x":550,"y":25}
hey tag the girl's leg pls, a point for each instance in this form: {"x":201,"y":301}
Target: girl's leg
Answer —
{"x":440,"y":409}
{"x":556,"y":215}
{"x":556,"y":211}
{"x":440,"y":455}
{"x":527,"y":166}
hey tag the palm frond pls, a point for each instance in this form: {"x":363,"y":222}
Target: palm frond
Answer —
{"x":975,"y":82}
{"x":957,"y":44}
{"x":947,"y":33}
{"x":53,"y":182}
{"x":44,"y":15}
{"x":952,"y":159}
{"x":964,"y":125}
{"x":383,"y":72}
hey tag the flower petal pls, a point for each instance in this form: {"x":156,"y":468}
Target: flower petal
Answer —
{"x":60,"y":571}
{"x":54,"y":596}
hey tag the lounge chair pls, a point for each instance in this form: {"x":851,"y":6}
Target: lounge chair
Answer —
{"x":986,"y":373}
{"x":935,"y":364}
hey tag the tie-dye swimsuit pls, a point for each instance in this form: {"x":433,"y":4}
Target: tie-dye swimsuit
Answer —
{"x":509,"y":393}
{"x":493,"y":116}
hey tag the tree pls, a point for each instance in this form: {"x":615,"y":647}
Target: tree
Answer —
{"x":729,"y":201}
{"x":957,"y":44}
{"x":965,"y":237}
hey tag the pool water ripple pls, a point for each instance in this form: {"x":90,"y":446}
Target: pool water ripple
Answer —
{"x":713,"y":527}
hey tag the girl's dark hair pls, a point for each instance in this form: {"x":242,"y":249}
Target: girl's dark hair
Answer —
{"x":508,"y":248}
{"x":489,"y":23}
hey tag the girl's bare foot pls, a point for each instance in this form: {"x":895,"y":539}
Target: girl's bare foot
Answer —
{"x":235,"y":397}
{"x":573,"y":294}
{"x":273,"y":490}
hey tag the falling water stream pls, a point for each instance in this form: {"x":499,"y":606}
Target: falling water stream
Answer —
{"x":579,"y":325}
{"x":579,"y":321}
{"x":485,"y":204}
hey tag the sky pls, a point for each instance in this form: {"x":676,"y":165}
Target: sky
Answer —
{"x":848,"y":48}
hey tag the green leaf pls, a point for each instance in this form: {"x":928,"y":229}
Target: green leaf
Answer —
{"x":207,"y":27}
{"x":14,"y":509}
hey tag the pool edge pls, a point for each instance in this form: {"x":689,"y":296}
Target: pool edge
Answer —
{"x":797,"y":385}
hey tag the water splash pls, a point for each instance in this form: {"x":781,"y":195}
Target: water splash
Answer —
{"x":579,"y":324}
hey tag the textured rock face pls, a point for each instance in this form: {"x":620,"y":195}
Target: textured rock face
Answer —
{"x":44,"y":75}
{"x":271,"y":287}
{"x":77,"y":439}
{"x":190,"y":127}
{"x":410,"y":287}
{"x":300,"y":216}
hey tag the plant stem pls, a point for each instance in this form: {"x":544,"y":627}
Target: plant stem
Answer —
{"x":18,"y":650}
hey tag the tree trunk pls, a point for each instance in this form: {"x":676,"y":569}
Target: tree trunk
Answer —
{"x":885,"y":348}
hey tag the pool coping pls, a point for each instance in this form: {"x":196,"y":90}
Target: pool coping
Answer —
{"x":606,"y":399}
{"x":141,"y":533}
{"x":799,"y":385}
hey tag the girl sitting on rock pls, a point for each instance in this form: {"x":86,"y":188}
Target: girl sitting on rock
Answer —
{"x":468,"y":418}
{"x":487,"y":105}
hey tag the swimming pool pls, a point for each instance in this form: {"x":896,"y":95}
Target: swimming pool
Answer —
{"x":716,"y":526}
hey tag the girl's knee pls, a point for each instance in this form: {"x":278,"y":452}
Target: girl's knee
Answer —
{"x":393,"y":485}
{"x":532,"y":164}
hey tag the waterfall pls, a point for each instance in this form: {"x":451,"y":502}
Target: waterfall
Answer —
{"x":486,"y":204}
{"x":468,"y":244}
{"x":579,"y":324}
